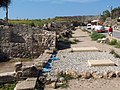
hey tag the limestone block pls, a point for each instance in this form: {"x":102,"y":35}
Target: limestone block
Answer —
{"x":52,"y":85}
{"x":29,"y":71}
{"x":111,"y":74}
{"x":84,"y":49}
{"x":86,"y":75}
{"x":97,"y":75}
{"x":72,"y":73}
{"x":28,"y":84}
{"x":101,"y":63}
{"x":7,"y":77}
{"x":118,"y":73}
{"x":18,"y":66}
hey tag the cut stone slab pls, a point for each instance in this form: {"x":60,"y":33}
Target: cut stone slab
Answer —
{"x":84,"y":49}
{"x":28,"y":84}
{"x":7,"y":77}
{"x":101,"y":63}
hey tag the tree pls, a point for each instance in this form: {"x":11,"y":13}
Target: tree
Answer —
{"x":5,"y":4}
{"x":106,"y":13}
{"x":116,"y":12}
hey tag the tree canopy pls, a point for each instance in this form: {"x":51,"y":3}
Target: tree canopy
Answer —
{"x":5,"y":4}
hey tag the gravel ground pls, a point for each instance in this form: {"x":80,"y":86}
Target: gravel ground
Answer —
{"x":77,"y":61}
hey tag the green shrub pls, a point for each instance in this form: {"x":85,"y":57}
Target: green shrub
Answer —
{"x":95,"y":36}
{"x":118,"y":45}
{"x":32,"y":24}
{"x":113,"y":42}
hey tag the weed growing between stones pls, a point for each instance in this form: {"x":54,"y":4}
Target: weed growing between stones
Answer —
{"x":95,"y":36}
{"x":113,"y":42}
{"x":115,"y":54}
{"x":8,"y":86}
{"x":117,"y":45}
{"x":20,"y":60}
{"x":63,"y":80}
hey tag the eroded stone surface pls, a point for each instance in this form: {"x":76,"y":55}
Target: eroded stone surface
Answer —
{"x":28,"y":84}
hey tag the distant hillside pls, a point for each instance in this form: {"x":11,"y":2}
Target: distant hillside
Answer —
{"x":77,"y":18}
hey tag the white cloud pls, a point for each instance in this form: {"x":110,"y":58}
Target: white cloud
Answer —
{"x":61,"y":1}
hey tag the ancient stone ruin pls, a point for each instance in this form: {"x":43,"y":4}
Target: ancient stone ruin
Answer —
{"x":22,"y":41}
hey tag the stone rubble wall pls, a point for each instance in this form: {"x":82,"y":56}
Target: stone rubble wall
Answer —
{"x":24,"y":41}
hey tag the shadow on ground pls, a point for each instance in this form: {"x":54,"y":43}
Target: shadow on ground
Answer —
{"x":62,"y":45}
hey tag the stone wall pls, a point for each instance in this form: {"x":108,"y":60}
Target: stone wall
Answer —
{"x":25,"y":41}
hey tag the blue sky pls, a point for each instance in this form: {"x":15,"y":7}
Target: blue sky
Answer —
{"x":42,"y":9}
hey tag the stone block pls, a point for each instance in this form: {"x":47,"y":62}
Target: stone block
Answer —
{"x":29,"y":71}
{"x":18,"y":66}
{"x":101,"y":63}
{"x":86,"y":75}
{"x":28,"y":84}
{"x":7,"y":77}
{"x":51,"y":85}
{"x":97,"y":75}
{"x":84,"y":49}
{"x":72,"y":73}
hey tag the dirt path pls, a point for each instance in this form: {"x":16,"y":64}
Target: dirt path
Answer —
{"x":91,"y":84}
{"x":9,"y":66}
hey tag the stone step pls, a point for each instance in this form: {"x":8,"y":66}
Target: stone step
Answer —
{"x":84,"y":49}
{"x":28,"y":84}
{"x":101,"y":63}
{"x":7,"y":77}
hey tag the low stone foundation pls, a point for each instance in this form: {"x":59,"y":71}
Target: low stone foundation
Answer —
{"x":57,"y":81}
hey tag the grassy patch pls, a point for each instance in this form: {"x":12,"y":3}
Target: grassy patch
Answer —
{"x":117,"y":45}
{"x":65,"y":76}
{"x":35,"y":22}
{"x":113,"y":42}
{"x":20,"y":60}
{"x":95,"y":36}
{"x":8,"y":86}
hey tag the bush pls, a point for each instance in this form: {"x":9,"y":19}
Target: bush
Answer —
{"x":118,"y":45}
{"x":95,"y":36}
{"x":32,"y":24}
{"x":113,"y":42}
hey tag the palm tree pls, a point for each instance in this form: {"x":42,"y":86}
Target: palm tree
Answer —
{"x":5,"y":4}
